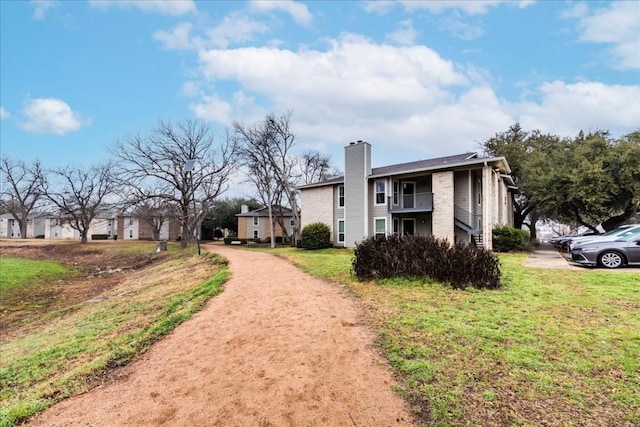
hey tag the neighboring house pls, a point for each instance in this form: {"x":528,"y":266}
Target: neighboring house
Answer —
{"x":57,"y":228}
{"x":459,"y":198}
{"x":131,"y":227}
{"x":10,"y":229}
{"x":255,"y":224}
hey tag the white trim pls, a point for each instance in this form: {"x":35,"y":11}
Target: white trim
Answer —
{"x":375,"y":192}
{"x":256,"y":234}
{"x":256,"y":221}
{"x":375,"y":229}
{"x":344,"y":232}
{"x":343,"y":197}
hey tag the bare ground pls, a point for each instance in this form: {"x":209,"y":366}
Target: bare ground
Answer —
{"x":277,"y":348}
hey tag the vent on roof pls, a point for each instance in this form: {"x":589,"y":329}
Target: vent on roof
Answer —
{"x":472,"y":156}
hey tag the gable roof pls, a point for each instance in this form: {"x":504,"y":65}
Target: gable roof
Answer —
{"x":286,"y":212}
{"x":421,"y":166}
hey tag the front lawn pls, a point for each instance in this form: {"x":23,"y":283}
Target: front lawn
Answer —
{"x":553,"y":347}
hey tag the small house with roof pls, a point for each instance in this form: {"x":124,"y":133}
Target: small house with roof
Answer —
{"x":459,"y":198}
{"x":255,"y":224}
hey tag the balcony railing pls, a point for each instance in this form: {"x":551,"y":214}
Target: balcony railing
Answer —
{"x":418,"y":202}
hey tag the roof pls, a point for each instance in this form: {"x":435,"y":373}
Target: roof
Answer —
{"x":286,"y":212}
{"x":423,"y":164}
{"x":447,"y":162}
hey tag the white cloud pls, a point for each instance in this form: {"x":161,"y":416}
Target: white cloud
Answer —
{"x":51,"y":116}
{"x":617,"y":25}
{"x":41,"y":7}
{"x":234,"y":28}
{"x":404,"y":35}
{"x":565,"y":109}
{"x":163,"y":7}
{"x":402,"y":99}
{"x":459,"y":28}
{"x":379,"y":7}
{"x":4,"y":114}
{"x":178,"y":38}
{"x":298,"y":11}
{"x":477,"y":7}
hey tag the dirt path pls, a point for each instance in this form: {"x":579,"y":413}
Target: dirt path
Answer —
{"x":276,"y":348}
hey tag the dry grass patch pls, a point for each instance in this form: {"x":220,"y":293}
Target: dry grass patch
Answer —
{"x":58,"y":352}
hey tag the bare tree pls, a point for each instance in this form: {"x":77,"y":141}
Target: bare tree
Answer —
{"x":316,"y":167}
{"x":156,"y":212}
{"x":284,"y":163}
{"x":21,"y":190}
{"x":80,"y":195}
{"x":267,"y":151}
{"x":255,"y":151}
{"x":162,"y":157}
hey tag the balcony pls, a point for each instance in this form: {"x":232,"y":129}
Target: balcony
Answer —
{"x":411,"y":203}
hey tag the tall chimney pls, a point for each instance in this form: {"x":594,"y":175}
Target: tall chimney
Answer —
{"x":357,"y":169}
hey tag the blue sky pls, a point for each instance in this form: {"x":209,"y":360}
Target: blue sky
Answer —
{"x":416,"y":79}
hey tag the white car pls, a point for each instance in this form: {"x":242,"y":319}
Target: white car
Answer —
{"x":606,"y":237}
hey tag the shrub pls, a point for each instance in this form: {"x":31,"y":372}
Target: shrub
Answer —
{"x":509,"y":239}
{"x":316,"y":236}
{"x":40,"y":236}
{"x":460,"y":265}
{"x":99,"y":236}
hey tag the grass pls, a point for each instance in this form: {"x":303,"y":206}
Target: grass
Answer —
{"x":553,"y":347}
{"x":70,"y":350}
{"x":18,"y":272}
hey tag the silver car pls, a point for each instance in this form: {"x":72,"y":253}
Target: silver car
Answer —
{"x":625,"y":250}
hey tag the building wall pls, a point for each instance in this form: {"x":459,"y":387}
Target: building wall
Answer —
{"x":356,"y":187}
{"x":443,"y":199}
{"x":488,"y":206}
{"x":379,"y":211}
{"x":56,"y":230}
{"x":318,"y":204}
{"x":246,"y":227}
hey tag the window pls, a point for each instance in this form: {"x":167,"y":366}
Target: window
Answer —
{"x":256,"y":221}
{"x":131,"y":221}
{"x":380,"y":192}
{"x":380,"y":226}
{"x":341,"y":196}
{"x":341,"y":231}
{"x":396,"y":192}
{"x":131,"y":234}
{"x":396,"y":226}
{"x":292,"y":223}
{"x":479,"y":190}
{"x":256,"y":234}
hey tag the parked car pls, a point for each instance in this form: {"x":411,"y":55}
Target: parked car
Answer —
{"x":563,"y":241}
{"x":624,"y":250}
{"x":609,"y":235}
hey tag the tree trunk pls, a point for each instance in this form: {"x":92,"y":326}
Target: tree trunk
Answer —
{"x":23,"y":228}
{"x":272,"y":228}
{"x":184,"y":237}
{"x":83,"y":237}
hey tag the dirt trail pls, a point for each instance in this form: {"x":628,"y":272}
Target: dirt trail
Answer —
{"x":276,"y":348}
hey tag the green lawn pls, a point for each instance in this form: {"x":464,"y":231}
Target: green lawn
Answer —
{"x":553,"y":347}
{"x":17,"y":272}
{"x":65,"y":352}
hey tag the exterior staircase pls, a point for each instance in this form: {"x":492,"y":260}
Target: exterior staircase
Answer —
{"x":464,"y":219}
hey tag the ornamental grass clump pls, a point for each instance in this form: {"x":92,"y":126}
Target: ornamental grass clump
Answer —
{"x":460,"y":265}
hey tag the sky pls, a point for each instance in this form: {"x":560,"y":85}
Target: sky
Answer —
{"x":415,"y":79}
